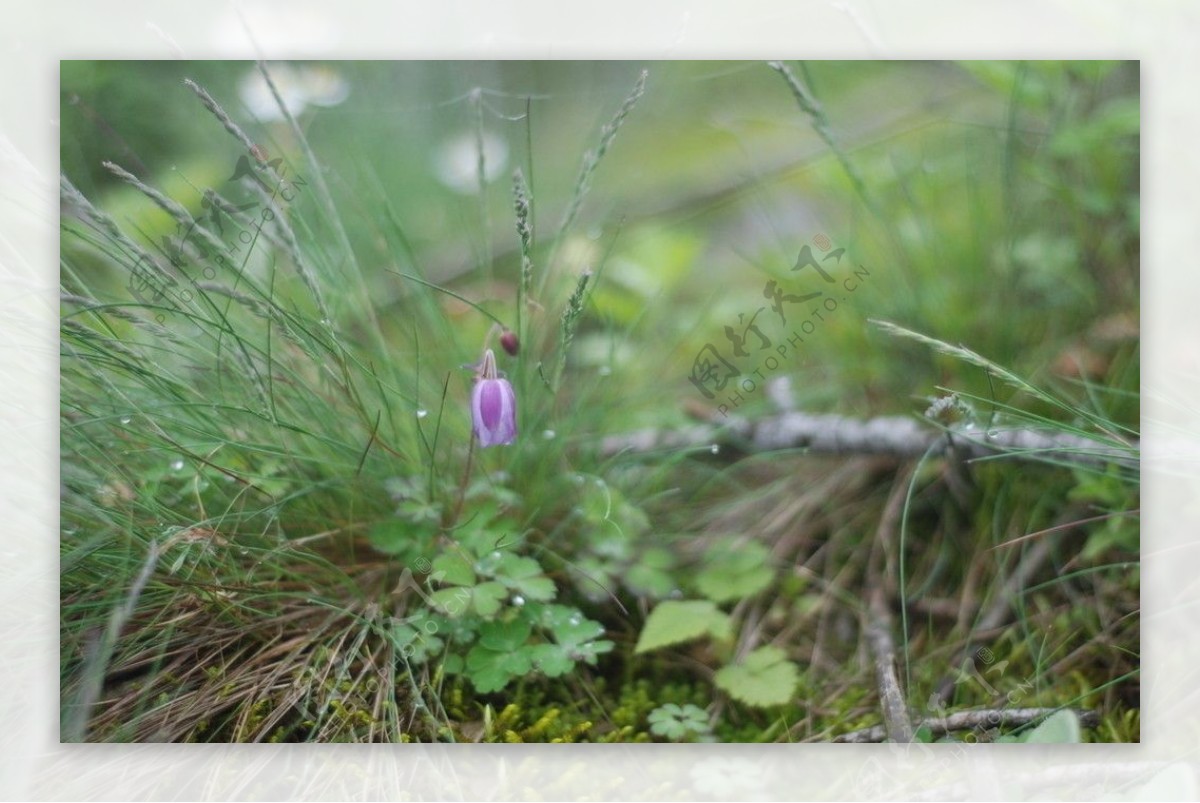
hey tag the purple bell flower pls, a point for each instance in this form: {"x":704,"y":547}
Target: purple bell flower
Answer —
{"x":493,"y":406}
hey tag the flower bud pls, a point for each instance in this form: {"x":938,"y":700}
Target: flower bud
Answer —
{"x":493,"y":406}
{"x":508,"y":339}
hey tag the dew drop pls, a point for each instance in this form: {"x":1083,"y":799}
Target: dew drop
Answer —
{"x":125,"y":419}
{"x":549,"y":434}
{"x":992,"y":434}
{"x":422,"y":413}
{"x":495,"y":555}
{"x":575,"y":619}
{"x":675,"y":594}
{"x":177,"y":465}
{"x":518,"y":600}
{"x":715,"y":449}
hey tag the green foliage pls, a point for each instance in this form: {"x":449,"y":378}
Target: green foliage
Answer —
{"x":763,"y":678}
{"x":466,"y":595}
{"x":1113,"y":493}
{"x":674,"y":622}
{"x":416,"y":637}
{"x":500,"y":656}
{"x":504,"y":652}
{"x":679,"y":723}
{"x":508,"y":640}
{"x":616,"y":550}
{"x":734,"y":568}
{"x":651,"y":575}
{"x":524,"y":576}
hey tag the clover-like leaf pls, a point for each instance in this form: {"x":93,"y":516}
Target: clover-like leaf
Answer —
{"x":504,"y":636}
{"x":677,"y":722}
{"x":491,"y":670}
{"x":605,"y":508}
{"x":551,"y":659}
{"x":481,"y":534}
{"x":677,"y":621}
{"x":466,"y":594}
{"x":417,"y":639}
{"x":525,"y":576}
{"x":500,"y":655}
{"x":453,"y":664}
{"x":576,"y":638}
{"x":483,"y":599}
{"x":397,"y":536}
{"x":594,"y":576}
{"x":453,"y":569}
{"x":588,"y":652}
{"x":735,"y":569}
{"x":650,"y":575}
{"x":763,"y":679}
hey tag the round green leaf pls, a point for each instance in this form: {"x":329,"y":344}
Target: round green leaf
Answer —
{"x":765,"y":678}
{"x":677,"y":621}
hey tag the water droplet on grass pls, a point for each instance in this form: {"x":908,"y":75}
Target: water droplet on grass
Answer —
{"x":422,"y":413}
{"x":518,"y":600}
{"x":177,"y":465}
{"x":715,"y":449}
{"x":125,"y":419}
{"x":548,"y":434}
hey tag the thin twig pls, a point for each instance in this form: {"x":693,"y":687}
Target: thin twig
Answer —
{"x":891,"y":698}
{"x":971,"y":720}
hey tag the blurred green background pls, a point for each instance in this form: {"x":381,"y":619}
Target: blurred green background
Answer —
{"x":1003,"y":203}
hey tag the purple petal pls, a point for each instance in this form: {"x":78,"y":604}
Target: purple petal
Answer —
{"x":494,"y":412}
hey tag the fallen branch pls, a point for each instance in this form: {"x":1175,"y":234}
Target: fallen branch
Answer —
{"x":971,"y":720}
{"x":896,"y":436}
